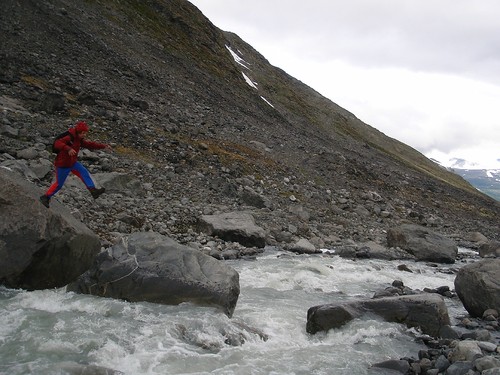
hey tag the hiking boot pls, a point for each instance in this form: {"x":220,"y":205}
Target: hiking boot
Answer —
{"x":45,"y":200}
{"x":97,"y":192}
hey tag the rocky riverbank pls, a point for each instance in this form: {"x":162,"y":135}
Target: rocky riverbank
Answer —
{"x":472,"y":346}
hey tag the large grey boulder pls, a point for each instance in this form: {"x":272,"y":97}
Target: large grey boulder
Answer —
{"x":490,"y":249}
{"x":234,"y":227}
{"x":147,"y":266}
{"x":372,"y":250}
{"x":423,"y":243}
{"x":478,"y":286}
{"x":39,"y":248}
{"x":304,"y":246}
{"x":427,"y":311}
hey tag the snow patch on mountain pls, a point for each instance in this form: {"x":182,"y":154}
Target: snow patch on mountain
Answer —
{"x":239,"y":60}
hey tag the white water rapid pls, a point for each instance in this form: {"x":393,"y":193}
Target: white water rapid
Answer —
{"x":41,"y":332}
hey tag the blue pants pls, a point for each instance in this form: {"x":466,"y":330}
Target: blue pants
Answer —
{"x":62,"y":174}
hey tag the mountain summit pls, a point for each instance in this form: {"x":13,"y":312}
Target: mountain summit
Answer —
{"x":209,"y":125}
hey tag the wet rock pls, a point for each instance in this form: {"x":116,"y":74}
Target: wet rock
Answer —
{"x":373,"y":250}
{"x":404,"y":267}
{"x":154,"y":268}
{"x":427,"y":311}
{"x":478,"y":286}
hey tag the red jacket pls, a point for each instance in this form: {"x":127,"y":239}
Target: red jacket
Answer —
{"x":64,"y":144}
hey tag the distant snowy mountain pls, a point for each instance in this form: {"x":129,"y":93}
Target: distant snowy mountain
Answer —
{"x":459,"y":163}
{"x":485,"y":180}
{"x":463,"y":164}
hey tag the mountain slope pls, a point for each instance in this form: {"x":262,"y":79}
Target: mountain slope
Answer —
{"x":299,"y":102}
{"x":172,"y":91}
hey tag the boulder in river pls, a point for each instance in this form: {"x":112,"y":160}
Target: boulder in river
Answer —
{"x":478,"y":286}
{"x":148,"y":266}
{"x":427,"y":311}
{"x":490,"y":249}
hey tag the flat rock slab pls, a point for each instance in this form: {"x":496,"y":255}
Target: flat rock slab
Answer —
{"x":426,"y":311}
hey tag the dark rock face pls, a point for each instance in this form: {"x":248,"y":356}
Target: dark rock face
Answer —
{"x":39,"y":248}
{"x":478,"y":286}
{"x":423,"y":243}
{"x":427,"y":311}
{"x":151,"y":267}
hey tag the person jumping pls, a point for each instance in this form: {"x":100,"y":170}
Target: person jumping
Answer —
{"x":67,"y":148}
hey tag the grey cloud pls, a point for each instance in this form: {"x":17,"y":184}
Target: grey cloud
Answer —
{"x":452,"y":36}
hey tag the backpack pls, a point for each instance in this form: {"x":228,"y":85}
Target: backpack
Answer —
{"x":62,"y":135}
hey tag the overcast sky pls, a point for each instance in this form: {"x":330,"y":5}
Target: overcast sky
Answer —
{"x":426,"y":72}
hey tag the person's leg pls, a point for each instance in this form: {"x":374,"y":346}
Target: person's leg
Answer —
{"x":61,"y":175}
{"x":83,"y":174}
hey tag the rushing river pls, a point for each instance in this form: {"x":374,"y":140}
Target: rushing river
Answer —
{"x":42,"y":332}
